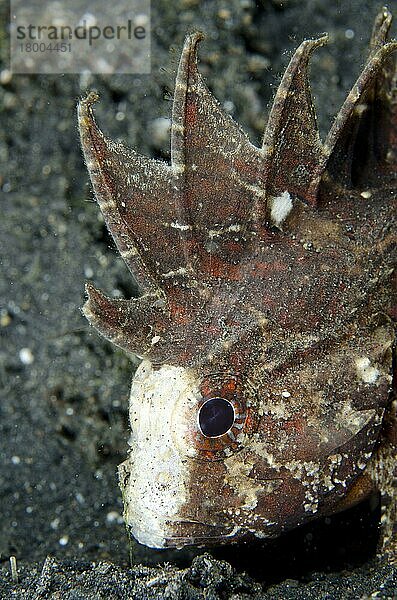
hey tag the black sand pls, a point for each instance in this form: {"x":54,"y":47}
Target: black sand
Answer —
{"x":64,"y":391}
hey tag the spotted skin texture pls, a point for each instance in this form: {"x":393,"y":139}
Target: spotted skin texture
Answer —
{"x":266,"y":279}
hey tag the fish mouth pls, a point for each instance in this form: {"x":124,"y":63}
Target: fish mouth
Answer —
{"x":207,"y":535}
{"x":200,"y":542}
{"x":180,"y":533}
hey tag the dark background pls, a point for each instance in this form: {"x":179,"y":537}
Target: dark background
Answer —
{"x":63,"y":416}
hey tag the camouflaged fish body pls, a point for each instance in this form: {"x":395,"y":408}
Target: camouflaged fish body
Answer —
{"x":265,"y":315}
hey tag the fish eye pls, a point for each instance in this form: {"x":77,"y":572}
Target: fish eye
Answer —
{"x":216,"y":416}
{"x":220,"y":417}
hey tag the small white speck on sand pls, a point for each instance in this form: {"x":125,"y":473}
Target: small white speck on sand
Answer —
{"x":26,"y":356}
{"x":64,"y":540}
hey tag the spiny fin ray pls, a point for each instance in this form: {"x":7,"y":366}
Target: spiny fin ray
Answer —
{"x":129,"y":324}
{"x":137,"y":198}
{"x":219,"y":170}
{"x":363,"y":137}
{"x":291,"y":143}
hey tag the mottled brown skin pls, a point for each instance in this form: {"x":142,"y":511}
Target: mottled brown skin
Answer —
{"x":274,"y":314}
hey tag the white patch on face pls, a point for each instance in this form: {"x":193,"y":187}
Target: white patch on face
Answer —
{"x":365,"y":371}
{"x":280,"y":207}
{"x":156,"y":488}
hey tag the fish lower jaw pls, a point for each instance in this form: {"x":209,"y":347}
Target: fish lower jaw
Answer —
{"x":163,"y":534}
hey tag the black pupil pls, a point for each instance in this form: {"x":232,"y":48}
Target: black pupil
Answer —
{"x":216,"y":416}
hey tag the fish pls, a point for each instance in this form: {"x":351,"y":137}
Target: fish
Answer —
{"x":265,"y":318}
